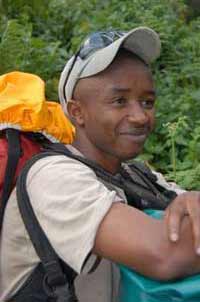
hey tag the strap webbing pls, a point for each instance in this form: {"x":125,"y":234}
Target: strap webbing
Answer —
{"x":14,"y":152}
{"x":39,"y":240}
{"x":55,"y":278}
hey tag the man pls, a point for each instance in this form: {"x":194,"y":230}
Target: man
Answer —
{"x":108,"y":92}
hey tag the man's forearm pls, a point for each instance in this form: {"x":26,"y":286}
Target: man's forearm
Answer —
{"x":132,"y":238}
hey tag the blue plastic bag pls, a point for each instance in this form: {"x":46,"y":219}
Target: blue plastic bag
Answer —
{"x":137,"y":288}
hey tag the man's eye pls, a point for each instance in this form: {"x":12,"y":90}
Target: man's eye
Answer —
{"x":148,"y":104}
{"x":120,"y":101}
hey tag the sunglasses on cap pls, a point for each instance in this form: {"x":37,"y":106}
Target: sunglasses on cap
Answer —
{"x":94,"y":42}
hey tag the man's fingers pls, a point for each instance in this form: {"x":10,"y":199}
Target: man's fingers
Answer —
{"x":196,"y":231}
{"x":185,"y":204}
{"x":194,"y":213}
{"x":174,"y":217}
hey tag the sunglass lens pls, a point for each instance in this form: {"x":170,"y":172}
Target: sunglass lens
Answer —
{"x":97,"y":41}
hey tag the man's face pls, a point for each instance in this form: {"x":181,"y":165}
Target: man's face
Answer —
{"x":118,"y":109}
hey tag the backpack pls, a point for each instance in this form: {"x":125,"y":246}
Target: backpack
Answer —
{"x":27,"y":122}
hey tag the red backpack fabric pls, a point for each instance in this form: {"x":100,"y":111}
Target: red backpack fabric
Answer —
{"x":28,"y":149}
{"x":15,"y":149}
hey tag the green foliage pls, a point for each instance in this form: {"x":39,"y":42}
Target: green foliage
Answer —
{"x":16,"y":39}
{"x":38,"y":36}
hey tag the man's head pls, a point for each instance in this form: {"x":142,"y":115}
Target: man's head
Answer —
{"x":99,"y":50}
{"x":113,"y":109}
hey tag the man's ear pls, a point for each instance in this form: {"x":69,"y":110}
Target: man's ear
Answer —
{"x":75,"y":111}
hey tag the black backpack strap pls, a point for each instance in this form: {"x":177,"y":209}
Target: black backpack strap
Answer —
{"x":14,"y":152}
{"x":57,"y":284}
{"x":143,"y":169}
{"x":147,"y":176}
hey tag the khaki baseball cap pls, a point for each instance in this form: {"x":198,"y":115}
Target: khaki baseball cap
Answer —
{"x":142,"y":41}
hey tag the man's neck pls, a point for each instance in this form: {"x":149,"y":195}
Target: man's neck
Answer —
{"x":105,"y":160}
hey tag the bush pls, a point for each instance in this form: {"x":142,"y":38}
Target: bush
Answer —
{"x":38,"y":36}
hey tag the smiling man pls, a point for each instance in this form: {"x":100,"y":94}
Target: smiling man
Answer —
{"x":93,"y":212}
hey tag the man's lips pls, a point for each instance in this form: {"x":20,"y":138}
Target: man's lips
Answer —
{"x":135,"y":131}
{"x":139,"y":135}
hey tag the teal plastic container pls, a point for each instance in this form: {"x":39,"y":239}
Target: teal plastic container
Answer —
{"x":137,"y":288}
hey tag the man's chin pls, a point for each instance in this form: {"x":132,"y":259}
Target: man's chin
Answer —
{"x":132,"y":154}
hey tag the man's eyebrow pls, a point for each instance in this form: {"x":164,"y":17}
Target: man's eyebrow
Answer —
{"x":124,"y":89}
{"x":151,"y":92}
{"x":119,"y":89}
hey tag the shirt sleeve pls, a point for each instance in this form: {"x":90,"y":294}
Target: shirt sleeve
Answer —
{"x":70,"y":203}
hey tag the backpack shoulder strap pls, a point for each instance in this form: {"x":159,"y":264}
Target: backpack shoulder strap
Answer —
{"x":14,"y":152}
{"x":58,"y":283}
{"x":147,"y":176}
{"x":144,"y":169}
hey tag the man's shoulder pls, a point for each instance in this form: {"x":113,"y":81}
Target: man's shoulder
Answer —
{"x":59,"y":159}
{"x":58,"y":166}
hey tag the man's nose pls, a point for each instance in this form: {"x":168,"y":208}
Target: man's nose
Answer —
{"x":137,"y":114}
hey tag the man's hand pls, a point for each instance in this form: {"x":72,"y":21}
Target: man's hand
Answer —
{"x":186,"y":204}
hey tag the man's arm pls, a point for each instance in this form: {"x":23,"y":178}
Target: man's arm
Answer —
{"x":128,"y":236}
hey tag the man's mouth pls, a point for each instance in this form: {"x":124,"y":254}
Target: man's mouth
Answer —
{"x":138,"y":135}
{"x":136,"y":131}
